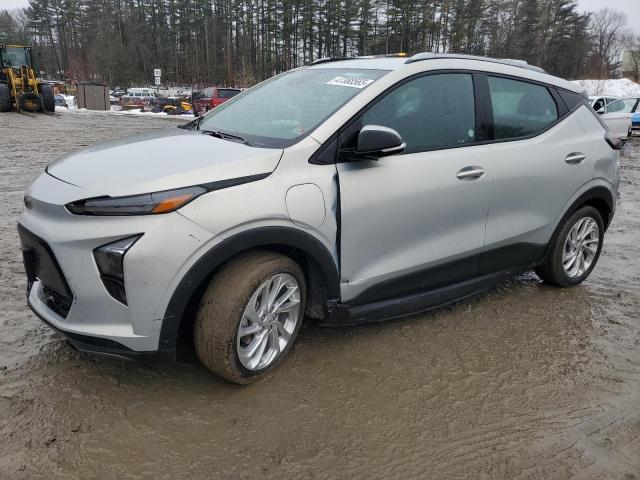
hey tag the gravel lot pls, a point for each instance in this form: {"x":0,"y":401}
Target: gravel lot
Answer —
{"x":524,"y":382}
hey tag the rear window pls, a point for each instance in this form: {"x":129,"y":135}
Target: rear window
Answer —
{"x":227,"y":93}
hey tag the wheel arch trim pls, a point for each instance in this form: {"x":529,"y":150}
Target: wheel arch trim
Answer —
{"x":228,"y":248}
{"x":594,"y":192}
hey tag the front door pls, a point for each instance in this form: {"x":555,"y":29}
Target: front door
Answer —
{"x":617,"y":116}
{"x":416,"y":221}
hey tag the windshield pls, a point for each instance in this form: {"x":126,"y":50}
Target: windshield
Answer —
{"x":279,"y":112}
{"x":15,"y":57}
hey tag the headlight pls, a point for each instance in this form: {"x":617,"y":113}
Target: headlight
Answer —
{"x":110,"y":261}
{"x":145,"y":204}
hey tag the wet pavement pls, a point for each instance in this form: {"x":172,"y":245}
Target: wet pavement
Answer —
{"x":525,"y":382}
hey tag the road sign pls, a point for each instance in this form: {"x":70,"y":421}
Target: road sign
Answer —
{"x":157,"y":72}
{"x":157,"y":81}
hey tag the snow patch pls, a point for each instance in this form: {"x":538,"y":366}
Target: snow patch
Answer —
{"x":621,"y":88}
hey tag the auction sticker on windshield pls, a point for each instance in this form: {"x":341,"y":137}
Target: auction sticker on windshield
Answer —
{"x":355,"y":82}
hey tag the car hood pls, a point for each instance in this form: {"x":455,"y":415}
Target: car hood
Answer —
{"x":160,"y":160}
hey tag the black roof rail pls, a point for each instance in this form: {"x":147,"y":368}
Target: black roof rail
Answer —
{"x":504,"y":61}
{"x":362,"y":57}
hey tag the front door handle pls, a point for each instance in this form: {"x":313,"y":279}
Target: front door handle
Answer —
{"x":470,"y":173}
{"x":575,"y":158}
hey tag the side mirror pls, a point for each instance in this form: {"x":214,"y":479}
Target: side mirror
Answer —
{"x":375,"y":141}
{"x":601,"y":111}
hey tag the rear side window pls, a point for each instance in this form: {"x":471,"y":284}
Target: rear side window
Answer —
{"x":430,"y":112}
{"x":227,"y":93}
{"x":520,"y":109}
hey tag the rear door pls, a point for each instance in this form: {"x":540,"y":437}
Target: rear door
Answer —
{"x":540,"y":157}
{"x":416,"y":221}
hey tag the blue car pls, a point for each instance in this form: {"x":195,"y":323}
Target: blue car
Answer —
{"x":635,"y":120}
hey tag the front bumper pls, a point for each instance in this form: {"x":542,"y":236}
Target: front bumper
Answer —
{"x":87,"y":343}
{"x":94,"y":320}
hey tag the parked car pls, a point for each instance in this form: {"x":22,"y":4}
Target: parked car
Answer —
{"x":211,"y":97}
{"x":635,"y":121}
{"x":346,"y":191}
{"x":618,"y":116}
{"x":598,"y":102}
{"x":60,"y":101}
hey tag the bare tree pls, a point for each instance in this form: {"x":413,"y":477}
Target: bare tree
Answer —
{"x":607,"y":27}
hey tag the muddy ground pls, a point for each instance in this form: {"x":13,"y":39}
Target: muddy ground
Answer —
{"x":525,"y":382}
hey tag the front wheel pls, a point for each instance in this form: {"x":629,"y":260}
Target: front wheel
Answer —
{"x":575,"y":249}
{"x":250,"y":315}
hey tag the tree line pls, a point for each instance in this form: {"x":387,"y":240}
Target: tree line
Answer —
{"x":240,"y":42}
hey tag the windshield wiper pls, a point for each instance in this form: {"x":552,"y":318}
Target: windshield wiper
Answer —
{"x":225,"y":136}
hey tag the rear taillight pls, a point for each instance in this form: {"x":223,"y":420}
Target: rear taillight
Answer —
{"x":613,"y":140}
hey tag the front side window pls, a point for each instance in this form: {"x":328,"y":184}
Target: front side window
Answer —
{"x":520,"y":109}
{"x":621,"y":106}
{"x":430,"y":112}
{"x":279,"y":112}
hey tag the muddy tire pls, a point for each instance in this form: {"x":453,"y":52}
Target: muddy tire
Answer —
{"x":48,"y":98}
{"x":5,"y":98}
{"x":235,"y":303}
{"x":575,"y":249}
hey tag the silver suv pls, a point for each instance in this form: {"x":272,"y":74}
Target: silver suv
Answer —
{"x":347,"y":191}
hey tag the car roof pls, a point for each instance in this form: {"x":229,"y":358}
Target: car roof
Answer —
{"x":436,"y":61}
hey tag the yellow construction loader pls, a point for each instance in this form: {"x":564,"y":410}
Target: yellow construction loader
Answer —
{"x":19,"y":88}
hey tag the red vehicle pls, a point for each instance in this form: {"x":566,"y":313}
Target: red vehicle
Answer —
{"x":212,"y":97}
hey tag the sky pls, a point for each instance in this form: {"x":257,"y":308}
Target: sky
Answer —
{"x":630,"y":7}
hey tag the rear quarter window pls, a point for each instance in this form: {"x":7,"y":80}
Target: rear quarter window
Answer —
{"x":520,"y":109}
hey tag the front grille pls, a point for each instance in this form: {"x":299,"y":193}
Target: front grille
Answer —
{"x":40,"y":264}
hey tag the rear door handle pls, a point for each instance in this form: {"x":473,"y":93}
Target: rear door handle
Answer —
{"x":575,"y":158}
{"x":470,"y":173}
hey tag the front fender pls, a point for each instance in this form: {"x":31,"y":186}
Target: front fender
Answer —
{"x":207,"y":263}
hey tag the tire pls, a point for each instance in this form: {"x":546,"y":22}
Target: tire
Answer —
{"x":553,"y":271}
{"x":221,"y":314}
{"x":48,"y":98}
{"x":5,"y":98}
{"x":30,"y":102}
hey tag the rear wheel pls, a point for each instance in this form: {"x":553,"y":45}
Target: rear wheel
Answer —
{"x":48,"y":98}
{"x":250,"y":315}
{"x":5,"y":98}
{"x":575,"y":250}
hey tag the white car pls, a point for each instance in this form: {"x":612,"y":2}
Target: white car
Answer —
{"x":618,"y":116}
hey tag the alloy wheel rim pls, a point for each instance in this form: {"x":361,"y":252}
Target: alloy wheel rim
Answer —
{"x":268,"y":321}
{"x":580,"y":247}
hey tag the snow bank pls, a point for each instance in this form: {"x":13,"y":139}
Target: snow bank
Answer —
{"x":616,"y":88}
{"x":122,"y":113}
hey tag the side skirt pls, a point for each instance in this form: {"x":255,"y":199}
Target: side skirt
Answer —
{"x":344,"y":314}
